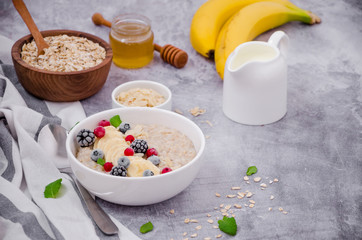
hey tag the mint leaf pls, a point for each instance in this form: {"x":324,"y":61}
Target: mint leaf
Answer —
{"x":228,"y":225}
{"x":52,"y":189}
{"x":101,"y":161}
{"x":115,"y":121}
{"x":146,"y":227}
{"x":251,"y":170}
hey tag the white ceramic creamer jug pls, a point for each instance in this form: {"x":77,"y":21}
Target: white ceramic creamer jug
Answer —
{"x":255,"y":81}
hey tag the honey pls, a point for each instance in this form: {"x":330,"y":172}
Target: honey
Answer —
{"x":131,"y":40}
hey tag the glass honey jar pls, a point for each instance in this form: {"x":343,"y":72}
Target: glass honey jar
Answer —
{"x":131,"y":39}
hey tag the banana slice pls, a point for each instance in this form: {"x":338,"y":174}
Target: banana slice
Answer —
{"x":138,"y":166}
{"x":114,"y":154}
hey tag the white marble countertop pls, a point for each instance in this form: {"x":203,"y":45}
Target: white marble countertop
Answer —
{"x":315,"y":150}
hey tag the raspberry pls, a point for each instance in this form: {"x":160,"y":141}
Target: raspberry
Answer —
{"x":108,"y":166}
{"x":148,"y":173}
{"x":129,"y":151}
{"x":124,"y":161}
{"x":151,"y":151}
{"x":154,"y":159}
{"x":104,"y":123}
{"x":96,"y":153}
{"x":139,"y":146}
{"x":99,"y":132}
{"x":85,"y":138}
{"x":129,"y":138}
{"x":119,"y":171}
{"x":124,"y":127}
{"x":166,"y":170}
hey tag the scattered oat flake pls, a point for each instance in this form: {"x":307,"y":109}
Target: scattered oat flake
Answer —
{"x":276,"y":180}
{"x":207,"y":136}
{"x":285,"y":212}
{"x":225,"y":214}
{"x":216,"y":208}
{"x":187,"y":220}
{"x":245,"y":204}
{"x":231,"y":196}
{"x":193,"y":235}
{"x":223,"y":210}
{"x":196,"y":111}
{"x":210,"y":221}
{"x":252,"y":201}
{"x":270,"y":209}
{"x":172,"y":211}
{"x":217,"y":194}
{"x":271,"y":197}
{"x":208,"y":215}
{"x":257,"y":179}
{"x":270,"y":181}
{"x":208,"y":122}
{"x":218,"y":236}
{"x":184,"y":234}
{"x":281,"y":209}
{"x":235,"y":188}
{"x":185,"y":239}
{"x":215,"y":226}
{"x":198,"y":227}
{"x":178,"y":111}
{"x":227,"y":207}
{"x":249,"y":194}
{"x":207,"y":238}
{"x":194,"y":221}
{"x":246,"y":178}
{"x":221,"y":205}
{"x":251,"y":205}
{"x":263,"y":185}
{"x":233,"y":215}
{"x":237,"y":206}
{"x":231,"y":211}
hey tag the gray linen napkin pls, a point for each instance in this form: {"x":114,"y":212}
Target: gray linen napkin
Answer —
{"x":26,"y":167}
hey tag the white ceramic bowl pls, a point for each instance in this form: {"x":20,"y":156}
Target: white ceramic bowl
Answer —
{"x":158,"y":87}
{"x":138,"y":190}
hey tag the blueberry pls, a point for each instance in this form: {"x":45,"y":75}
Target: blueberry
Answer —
{"x":124,"y":127}
{"x":148,"y":173}
{"x":154,"y":159}
{"x":97,"y":153}
{"x":120,"y":171}
{"x":124,"y":161}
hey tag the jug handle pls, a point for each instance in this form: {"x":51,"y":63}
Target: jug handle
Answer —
{"x":280,"y":40}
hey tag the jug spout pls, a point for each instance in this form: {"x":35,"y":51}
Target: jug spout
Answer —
{"x":281,"y":41}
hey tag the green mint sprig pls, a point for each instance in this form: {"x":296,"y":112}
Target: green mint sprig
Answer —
{"x":52,"y":189}
{"x":228,"y":225}
{"x":146,"y":227}
{"x":115,"y":121}
{"x":251,"y":170}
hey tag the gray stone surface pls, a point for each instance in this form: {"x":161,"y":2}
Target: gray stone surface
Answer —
{"x":315,"y":150}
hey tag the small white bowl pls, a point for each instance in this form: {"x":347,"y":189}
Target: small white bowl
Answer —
{"x":158,"y":87}
{"x":137,"y":191}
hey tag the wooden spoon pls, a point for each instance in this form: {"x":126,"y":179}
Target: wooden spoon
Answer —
{"x":170,"y":54}
{"x":25,"y":15}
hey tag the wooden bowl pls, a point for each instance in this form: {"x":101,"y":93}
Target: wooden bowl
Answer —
{"x":61,"y":86}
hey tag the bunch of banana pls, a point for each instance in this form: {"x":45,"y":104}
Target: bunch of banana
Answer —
{"x":219,"y":26}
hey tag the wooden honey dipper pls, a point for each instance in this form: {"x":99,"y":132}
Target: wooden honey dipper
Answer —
{"x":170,"y":54}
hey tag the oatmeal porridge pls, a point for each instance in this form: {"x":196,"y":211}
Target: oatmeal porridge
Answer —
{"x":140,"y":97}
{"x":133,"y":150}
{"x":65,"y":54}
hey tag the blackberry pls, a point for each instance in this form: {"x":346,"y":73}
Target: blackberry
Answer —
{"x":124,"y":161}
{"x":154,"y":159}
{"x":139,"y":146}
{"x":124,"y":127}
{"x":120,"y":171}
{"x":97,"y":153}
{"x":148,"y":173}
{"x":85,"y":138}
